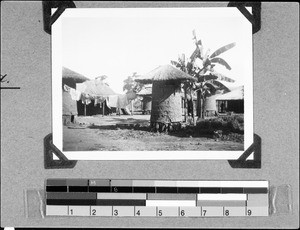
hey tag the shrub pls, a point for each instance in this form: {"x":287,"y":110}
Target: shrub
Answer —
{"x":228,"y":124}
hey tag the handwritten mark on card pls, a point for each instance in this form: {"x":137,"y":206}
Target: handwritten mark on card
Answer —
{"x":4,"y":80}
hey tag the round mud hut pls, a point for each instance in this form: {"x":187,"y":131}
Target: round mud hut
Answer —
{"x":70,"y":107}
{"x":146,"y":94}
{"x":166,"y":111}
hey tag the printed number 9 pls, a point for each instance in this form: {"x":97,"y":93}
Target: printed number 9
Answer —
{"x":249,"y":212}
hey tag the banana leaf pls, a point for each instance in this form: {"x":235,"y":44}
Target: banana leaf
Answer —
{"x":222,"y":50}
{"x":221,"y":61}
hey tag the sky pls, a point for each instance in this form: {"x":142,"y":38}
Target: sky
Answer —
{"x":121,"y":42}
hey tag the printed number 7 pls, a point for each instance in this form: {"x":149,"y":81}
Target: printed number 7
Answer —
{"x":204,"y":212}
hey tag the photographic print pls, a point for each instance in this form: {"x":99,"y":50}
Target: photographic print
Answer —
{"x":152,"y":83}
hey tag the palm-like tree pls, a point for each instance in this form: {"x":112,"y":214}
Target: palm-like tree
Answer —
{"x":201,"y":65}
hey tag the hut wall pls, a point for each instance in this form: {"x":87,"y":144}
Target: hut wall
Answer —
{"x":69,"y":105}
{"x":166,"y":102}
{"x":147,"y":103}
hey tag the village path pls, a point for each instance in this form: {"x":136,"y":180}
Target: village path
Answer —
{"x":111,"y":133}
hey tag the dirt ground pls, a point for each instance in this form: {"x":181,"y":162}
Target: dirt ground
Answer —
{"x":131,"y":133}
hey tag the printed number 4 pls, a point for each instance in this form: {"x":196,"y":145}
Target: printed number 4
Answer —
{"x":138,"y":213}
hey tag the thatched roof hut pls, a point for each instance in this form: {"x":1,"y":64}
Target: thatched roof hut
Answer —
{"x":164,"y":73}
{"x":166,"y":94}
{"x":70,"y":77}
{"x":146,"y":94}
{"x":232,"y":101}
{"x":95,"y":88}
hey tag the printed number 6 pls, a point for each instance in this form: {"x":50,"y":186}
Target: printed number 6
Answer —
{"x":182,"y":213}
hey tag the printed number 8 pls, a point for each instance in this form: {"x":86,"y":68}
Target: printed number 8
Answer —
{"x":226,"y":212}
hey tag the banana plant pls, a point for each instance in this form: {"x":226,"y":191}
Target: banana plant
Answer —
{"x":203,"y":67}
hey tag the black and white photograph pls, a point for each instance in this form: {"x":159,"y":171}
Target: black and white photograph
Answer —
{"x":152,"y":83}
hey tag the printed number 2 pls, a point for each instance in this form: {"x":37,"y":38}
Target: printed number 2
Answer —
{"x":94,"y":212}
{"x":116,"y":212}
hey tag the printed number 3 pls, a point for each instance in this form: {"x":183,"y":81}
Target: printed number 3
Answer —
{"x":116,"y":212}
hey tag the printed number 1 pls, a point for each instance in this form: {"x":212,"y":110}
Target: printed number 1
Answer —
{"x":71,"y":211}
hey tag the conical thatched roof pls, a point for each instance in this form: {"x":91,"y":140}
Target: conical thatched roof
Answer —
{"x":164,"y":73}
{"x":70,"y":77}
{"x":96,"y":88}
{"x":237,"y":94}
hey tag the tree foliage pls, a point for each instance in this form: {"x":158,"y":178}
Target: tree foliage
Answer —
{"x":130,"y":85}
{"x":201,"y":66}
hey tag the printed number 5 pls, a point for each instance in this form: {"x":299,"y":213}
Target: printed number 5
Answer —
{"x":159,"y":212}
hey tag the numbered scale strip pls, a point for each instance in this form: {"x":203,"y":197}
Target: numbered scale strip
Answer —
{"x":166,"y":198}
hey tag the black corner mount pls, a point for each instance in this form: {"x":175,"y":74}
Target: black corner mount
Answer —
{"x":254,"y":18}
{"x":50,"y":19}
{"x":49,"y":150}
{"x":242,"y":161}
